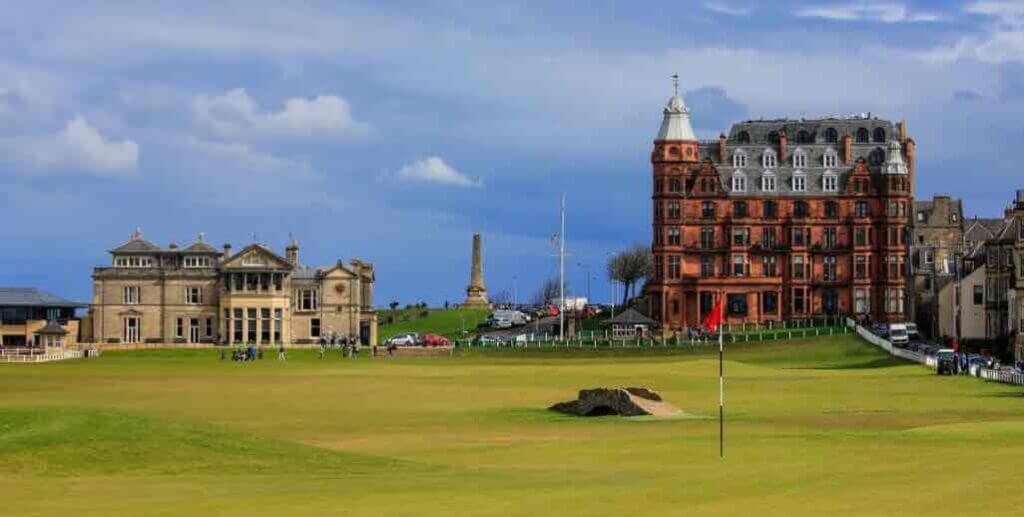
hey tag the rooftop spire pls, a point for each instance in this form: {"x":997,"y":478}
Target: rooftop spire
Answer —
{"x":676,"y":123}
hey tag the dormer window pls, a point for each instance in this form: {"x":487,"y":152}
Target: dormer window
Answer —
{"x":831,"y":136}
{"x":133,"y":262}
{"x":768,"y":159}
{"x":768,"y":181}
{"x":799,"y":158}
{"x":803,"y":137}
{"x":738,"y":182}
{"x":799,"y":182}
{"x":862,"y":136}
{"x":192,"y":261}
{"x":830,"y":159}
{"x":879,"y":136}
{"x":829,"y":182}
{"x":743,"y":137}
{"x":739,"y":160}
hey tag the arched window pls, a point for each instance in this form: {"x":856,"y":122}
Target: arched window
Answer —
{"x":830,"y":159}
{"x":768,"y":181}
{"x":743,"y":137}
{"x":769,"y":159}
{"x":799,"y":181}
{"x":773,"y":137}
{"x":799,"y":158}
{"x":877,"y":157}
{"x":831,"y":136}
{"x":829,"y":182}
{"x":739,"y":159}
{"x":739,"y":182}
{"x":862,"y":136}
{"x":803,"y":137}
{"x":879,"y":135}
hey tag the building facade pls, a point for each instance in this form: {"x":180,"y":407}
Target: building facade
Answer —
{"x":26,"y":312}
{"x":936,"y":245}
{"x":199,"y":294}
{"x":1004,"y":300}
{"x":785,"y":219}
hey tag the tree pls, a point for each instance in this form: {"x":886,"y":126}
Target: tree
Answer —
{"x":548,"y":291}
{"x":630,"y":267}
{"x":502,"y":297}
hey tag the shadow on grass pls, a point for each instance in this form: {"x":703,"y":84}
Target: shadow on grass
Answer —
{"x":881,"y":362}
{"x":1006,"y":394}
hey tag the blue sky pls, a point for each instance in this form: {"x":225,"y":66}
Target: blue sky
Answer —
{"x":392,"y":131}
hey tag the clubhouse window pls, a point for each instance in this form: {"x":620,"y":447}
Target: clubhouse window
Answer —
{"x":769,"y":302}
{"x":193,"y":295}
{"x":314,"y":327}
{"x":308,"y":300}
{"x":131,"y":295}
{"x":737,"y":304}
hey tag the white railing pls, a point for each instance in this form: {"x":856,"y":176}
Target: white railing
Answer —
{"x":29,"y":355}
{"x":1016,"y":379}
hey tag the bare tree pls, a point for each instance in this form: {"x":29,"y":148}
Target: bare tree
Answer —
{"x":502,"y":297}
{"x":548,"y":291}
{"x":630,"y":267}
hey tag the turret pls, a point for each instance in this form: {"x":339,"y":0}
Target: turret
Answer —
{"x":675,"y":140}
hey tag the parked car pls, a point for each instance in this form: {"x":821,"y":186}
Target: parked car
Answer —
{"x":488,"y":340}
{"x":880,"y":329}
{"x":912,"y":331}
{"x":944,"y":362}
{"x":433,"y":340}
{"x":409,"y":339}
{"x":898,"y":334}
{"x":499,"y":322}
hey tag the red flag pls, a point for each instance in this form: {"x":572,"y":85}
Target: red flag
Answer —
{"x":716,"y":317}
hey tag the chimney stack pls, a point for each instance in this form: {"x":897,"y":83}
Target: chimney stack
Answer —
{"x":292,"y":253}
{"x":847,"y":149}
{"x":227,"y":250}
{"x":1020,"y":200}
{"x":783,"y":146}
{"x":722,"y":153}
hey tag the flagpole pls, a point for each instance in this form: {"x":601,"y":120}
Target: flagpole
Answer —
{"x":721,"y":384}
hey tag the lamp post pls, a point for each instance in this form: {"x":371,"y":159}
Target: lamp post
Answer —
{"x":587,"y":269}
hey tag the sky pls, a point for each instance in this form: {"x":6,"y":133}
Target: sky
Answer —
{"x":391,"y":131}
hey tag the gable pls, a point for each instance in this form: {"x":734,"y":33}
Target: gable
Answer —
{"x":256,"y":257}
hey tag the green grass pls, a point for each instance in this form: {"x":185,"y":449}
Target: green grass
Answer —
{"x":814,"y":427}
{"x":448,"y":323}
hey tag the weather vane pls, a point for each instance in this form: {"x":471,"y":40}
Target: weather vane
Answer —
{"x":675,"y":83}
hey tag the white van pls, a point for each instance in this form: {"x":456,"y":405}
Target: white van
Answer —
{"x":898,"y":334}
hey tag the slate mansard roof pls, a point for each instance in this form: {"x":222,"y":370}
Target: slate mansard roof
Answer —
{"x":873,"y":152}
{"x":31,"y":297}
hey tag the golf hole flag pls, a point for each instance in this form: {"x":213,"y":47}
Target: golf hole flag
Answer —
{"x":713,"y":321}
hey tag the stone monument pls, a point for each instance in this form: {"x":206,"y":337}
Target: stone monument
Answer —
{"x":476,"y":293}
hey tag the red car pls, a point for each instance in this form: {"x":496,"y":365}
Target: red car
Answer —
{"x":435,"y":340}
{"x":553,"y":310}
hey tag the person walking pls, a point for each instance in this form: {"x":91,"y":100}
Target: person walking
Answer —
{"x":280,"y":353}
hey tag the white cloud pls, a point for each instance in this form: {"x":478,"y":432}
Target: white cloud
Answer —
{"x":239,"y":173}
{"x":236,"y":115}
{"x":435,"y":170}
{"x":883,"y":12}
{"x":78,"y":147}
{"x":727,"y":9}
{"x":1002,"y":42}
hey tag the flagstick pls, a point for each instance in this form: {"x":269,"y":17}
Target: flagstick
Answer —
{"x":721,"y":392}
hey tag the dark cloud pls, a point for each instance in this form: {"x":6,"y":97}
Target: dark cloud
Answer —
{"x":966,"y":96}
{"x":713,"y":110}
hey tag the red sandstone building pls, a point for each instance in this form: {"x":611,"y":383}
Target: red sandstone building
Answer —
{"x":788,"y":219}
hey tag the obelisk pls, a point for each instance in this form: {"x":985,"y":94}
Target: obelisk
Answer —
{"x":476,"y":293}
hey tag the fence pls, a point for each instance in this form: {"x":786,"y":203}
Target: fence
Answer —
{"x":1003,"y":376}
{"x":602,"y":339}
{"x":31,"y":355}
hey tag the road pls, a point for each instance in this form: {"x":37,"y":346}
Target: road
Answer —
{"x":547,"y":324}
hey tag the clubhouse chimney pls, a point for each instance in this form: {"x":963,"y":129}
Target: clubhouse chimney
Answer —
{"x":227,"y":250}
{"x":292,"y":252}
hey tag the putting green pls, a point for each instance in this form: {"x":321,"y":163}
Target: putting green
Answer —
{"x":827,"y":427}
